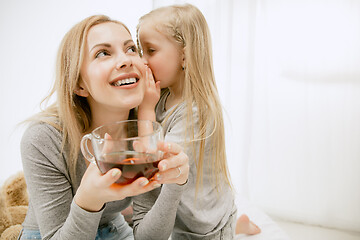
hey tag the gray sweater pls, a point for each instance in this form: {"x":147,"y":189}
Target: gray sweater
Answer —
{"x":173,"y":209}
{"x":52,"y":209}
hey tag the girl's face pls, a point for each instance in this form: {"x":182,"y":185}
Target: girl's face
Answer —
{"x":112,"y":73}
{"x":163,"y":55}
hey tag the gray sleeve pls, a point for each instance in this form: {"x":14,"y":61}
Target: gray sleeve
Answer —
{"x":155,"y":212}
{"x":50,"y":189}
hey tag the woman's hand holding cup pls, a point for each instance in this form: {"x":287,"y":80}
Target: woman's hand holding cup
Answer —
{"x":96,"y":188}
{"x":174,"y":168}
{"x":123,"y":160}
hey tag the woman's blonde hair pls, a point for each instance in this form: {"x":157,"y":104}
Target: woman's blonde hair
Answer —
{"x":188,"y":27}
{"x":70,"y":113}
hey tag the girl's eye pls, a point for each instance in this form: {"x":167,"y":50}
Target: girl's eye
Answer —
{"x":101,"y":53}
{"x":150,"y":50}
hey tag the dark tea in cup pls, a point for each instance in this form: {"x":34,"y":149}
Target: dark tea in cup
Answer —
{"x":132,"y":165}
{"x":130,"y":146}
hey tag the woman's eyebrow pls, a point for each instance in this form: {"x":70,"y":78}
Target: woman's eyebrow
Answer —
{"x":128,"y":41}
{"x":108,"y":45}
{"x":100,"y":44}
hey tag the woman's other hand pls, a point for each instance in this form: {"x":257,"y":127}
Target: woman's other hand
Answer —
{"x":174,"y":168}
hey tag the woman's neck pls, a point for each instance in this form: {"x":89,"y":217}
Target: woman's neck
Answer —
{"x":102,"y":119}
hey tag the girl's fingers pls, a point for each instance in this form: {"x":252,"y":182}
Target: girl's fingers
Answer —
{"x":149,"y":76}
{"x":157,"y":85}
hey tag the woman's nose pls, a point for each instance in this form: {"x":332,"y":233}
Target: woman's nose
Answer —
{"x":123,"y":62}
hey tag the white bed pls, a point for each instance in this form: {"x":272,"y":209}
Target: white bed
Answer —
{"x":277,"y":229}
{"x":298,"y":231}
{"x":270,"y":230}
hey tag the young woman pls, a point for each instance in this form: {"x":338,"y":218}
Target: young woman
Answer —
{"x":99,"y":79}
{"x":175,"y":43}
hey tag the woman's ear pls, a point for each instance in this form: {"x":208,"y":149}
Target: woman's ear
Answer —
{"x":81,"y":91}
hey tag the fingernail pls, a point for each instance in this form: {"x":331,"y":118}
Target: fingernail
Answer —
{"x":158,"y":176}
{"x":144,"y":183}
{"x":157,"y":185}
{"x":115,"y":173}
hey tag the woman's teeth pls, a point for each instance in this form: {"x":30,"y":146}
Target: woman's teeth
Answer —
{"x":125,"y":82}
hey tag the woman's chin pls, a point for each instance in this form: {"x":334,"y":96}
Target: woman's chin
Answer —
{"x":131,"y":103}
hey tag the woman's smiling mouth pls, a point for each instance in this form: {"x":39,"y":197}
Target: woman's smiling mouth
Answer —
{"x":127,"y":81}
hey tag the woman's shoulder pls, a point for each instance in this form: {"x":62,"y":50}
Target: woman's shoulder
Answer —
{"x":40,"y":133}
{"x":41,"y":127}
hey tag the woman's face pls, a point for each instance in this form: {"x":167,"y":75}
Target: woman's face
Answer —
{"x":112,"y":73}
{"x":163,"y":55}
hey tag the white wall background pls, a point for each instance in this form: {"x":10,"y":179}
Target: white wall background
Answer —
{"x":288,"y":75}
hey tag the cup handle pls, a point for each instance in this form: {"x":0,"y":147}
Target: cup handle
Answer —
{"x":84,"y":148}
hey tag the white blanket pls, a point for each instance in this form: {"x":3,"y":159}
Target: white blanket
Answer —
{"x":269,"y":229}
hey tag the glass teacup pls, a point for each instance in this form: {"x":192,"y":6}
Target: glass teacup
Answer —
{"x":129,"y":145}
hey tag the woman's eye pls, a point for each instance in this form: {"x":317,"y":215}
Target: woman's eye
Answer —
{"x":132,"y":49}
{"x":101,"y":53}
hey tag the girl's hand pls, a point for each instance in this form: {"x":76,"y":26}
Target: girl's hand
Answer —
{"x":96,"y":189}
{"x":151,"y":96}
{"x":174,"y":168}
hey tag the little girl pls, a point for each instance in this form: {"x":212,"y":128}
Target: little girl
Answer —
{"x":175,"y":44}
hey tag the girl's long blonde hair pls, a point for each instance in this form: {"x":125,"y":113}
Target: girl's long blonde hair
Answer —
{"x":70,"y":113}
{"x":188,"y":27}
